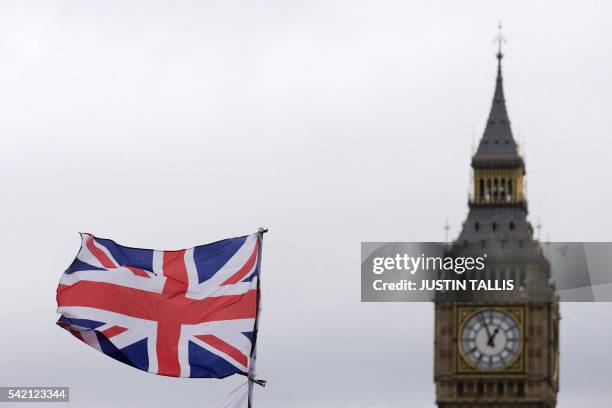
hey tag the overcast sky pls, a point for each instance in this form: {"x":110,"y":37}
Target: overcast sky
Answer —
{"x":168,"y":124}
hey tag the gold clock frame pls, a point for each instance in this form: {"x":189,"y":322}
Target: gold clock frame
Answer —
{"x":517,"y":313}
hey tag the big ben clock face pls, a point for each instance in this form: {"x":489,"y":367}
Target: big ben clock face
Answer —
{"x":490,"y":340}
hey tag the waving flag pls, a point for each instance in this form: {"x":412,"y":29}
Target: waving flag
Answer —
{"x":185,"y":313}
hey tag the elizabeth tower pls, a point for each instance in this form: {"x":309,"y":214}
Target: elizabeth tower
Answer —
{"x":498,"y":349}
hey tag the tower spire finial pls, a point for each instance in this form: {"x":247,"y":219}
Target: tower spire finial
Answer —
{"x":499,"y":39}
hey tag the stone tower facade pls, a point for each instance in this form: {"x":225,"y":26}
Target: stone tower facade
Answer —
{"x":498,"y":349}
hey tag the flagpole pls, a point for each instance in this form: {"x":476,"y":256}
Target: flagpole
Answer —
{"x":251,"y":374}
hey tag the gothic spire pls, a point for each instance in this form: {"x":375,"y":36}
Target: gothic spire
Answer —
{"x":497,"y":141}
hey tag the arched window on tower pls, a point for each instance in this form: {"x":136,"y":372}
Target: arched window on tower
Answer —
{"x":500,"y":388}
{"x":488,"y":193}
{"x":510,"y":191}
{"x":460,"y":388}
{"x":520,"y":389}
{"x":481,"y":192}
{"x":495,"y":190}
{"x":502,"y":190}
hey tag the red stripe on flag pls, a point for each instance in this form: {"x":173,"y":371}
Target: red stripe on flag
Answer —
{"x":175,"y":270}
{"x":138,"y":271}
{"x":246,"y":268}
{"x":156,"y":306}
{"x":169,"y":327}
{"x":76,"y":334}
{"x":224,"y":347}
{"x":99,"y":254}
{"x":113,"y":331}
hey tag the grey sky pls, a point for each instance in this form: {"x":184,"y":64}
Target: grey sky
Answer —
{"x":170,"y":124}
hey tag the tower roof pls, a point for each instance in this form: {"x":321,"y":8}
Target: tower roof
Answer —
{"x":497,"y":144}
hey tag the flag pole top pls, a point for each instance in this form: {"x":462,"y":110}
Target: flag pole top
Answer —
{"x":262,"y":230}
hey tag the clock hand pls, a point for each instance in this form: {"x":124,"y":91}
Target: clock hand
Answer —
{"x":484,"y":322}
{"x":491,"y":342}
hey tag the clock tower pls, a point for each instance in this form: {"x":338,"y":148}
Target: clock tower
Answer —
{"x":498,"y":348}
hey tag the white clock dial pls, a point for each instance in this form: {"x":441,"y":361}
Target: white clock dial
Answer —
{"x":490,"y":340}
